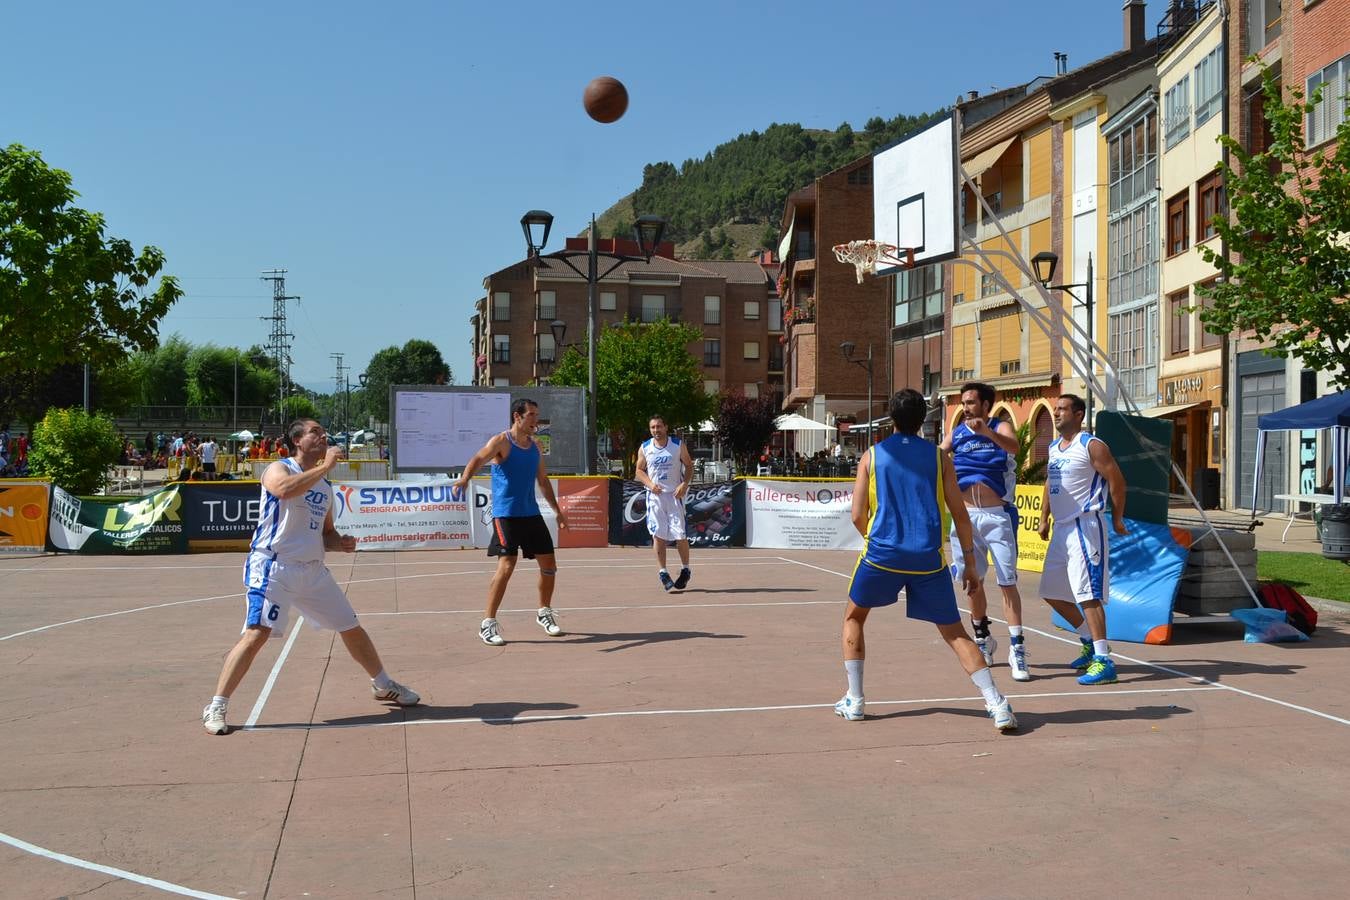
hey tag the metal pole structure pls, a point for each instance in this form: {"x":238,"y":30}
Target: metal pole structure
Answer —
{"x":86,"y":387}
{"x":234,"y":416}
{"x":592,"y":289}
{"x":1091,"y":336}
{"x":871,"y":437}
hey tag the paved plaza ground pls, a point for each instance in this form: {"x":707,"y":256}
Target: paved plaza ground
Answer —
{"x":670,"y":745}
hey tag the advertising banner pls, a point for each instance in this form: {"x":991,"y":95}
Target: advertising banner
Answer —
{"x":219,"y":515}
{"x":1030,"y":547}
{"x":585,"y":502}
{"x":714,"y":514}
{"x":150,"y":524}
{"x":800,"y":515}
{"x":23,"y":516}
{"x":397,"y":515}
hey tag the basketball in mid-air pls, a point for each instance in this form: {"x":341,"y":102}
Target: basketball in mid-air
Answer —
{"x":605,"y":99}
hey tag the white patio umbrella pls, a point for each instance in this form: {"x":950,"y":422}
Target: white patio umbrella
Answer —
{"x":244,"y":435}
{"x":796,"y":422}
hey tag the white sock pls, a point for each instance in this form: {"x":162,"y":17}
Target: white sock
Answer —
{"x":1015,"y":630}
{"x":1084,"y":633}
{"x":854,"y":669}
{"x":1101,"y":648}
{"x":664,"y":571}
{"x":984,"y":680}
{"x":382,"y":681}
{"x":220,"y":701}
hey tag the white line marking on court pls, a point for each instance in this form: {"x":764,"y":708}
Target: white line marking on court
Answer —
{"x":122,"y":612}
{"x":567,"y":609}
{"x":588,"y":564}
{"x":107,"y":870}
{"x":272,"y":676}
{"x":566,"y":717}
{"x":1143,"y":662}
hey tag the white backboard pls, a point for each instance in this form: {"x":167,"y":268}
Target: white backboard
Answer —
{"x":914,"y":194}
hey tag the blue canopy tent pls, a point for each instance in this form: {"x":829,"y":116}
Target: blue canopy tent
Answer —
{"x":1331,"y":412}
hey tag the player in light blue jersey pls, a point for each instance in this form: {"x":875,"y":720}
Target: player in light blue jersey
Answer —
{"x":285,"y":568}
{"x":1076,"y":576}
{"x":984,"y":450}
{"x":903,"y":482}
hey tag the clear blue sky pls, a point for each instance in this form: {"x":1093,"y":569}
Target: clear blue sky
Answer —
{"x":384,"y":153}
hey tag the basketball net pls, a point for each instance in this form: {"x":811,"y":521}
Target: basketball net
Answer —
{"x":865,"y":255}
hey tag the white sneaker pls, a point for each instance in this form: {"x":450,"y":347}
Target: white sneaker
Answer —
{"x":491,"y":633}
{"x":213,"y":719}
{"x":396,"y":693}
{"x":1017,"y":660}
{"x":850,"y":708}
{"x":987,"y":647}
{"x":1003,"y":717}
{"x":546,"y":620}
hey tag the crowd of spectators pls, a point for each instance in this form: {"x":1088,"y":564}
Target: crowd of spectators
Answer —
{"x":13,"y":453}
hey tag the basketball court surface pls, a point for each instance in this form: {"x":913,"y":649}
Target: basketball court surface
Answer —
{"x":669,"y":745}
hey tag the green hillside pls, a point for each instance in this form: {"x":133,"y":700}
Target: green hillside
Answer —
{"x":728,"y":204}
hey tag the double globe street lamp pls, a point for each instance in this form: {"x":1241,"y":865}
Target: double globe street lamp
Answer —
{"x":648,"y":230}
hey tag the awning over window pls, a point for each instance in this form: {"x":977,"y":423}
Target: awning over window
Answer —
{"x":1161,"y":412}
{"x":981,"y":162}
{"x":786,"y":243}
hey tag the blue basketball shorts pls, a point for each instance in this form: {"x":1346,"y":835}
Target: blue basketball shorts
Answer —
{"x":929,"y":596}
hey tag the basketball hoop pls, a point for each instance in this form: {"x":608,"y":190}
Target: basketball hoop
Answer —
{"x":865,"y":255}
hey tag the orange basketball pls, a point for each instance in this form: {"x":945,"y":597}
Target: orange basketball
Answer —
{"x":605,"y":99}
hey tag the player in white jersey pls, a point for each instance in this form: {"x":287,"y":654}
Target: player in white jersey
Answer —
{"x":665,"y":467}
{"x":285,"y":568}
{"x":1075,"y":580}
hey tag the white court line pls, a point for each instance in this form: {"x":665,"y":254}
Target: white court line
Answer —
{"x":588,"y":564}
{"x":568,"y":609}
{"x":122,"y":612}
{"x":272,"y":676}
{"x":1143,"y":662}
{"x":567,"y":717}
{"x":107,"y":870}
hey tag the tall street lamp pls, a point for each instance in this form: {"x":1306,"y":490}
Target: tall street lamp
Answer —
{"x":1044,"y":264}
{"x":648,"y":229}
{"x":365,"y":402}
{"x":847,"y":348}
{"x":559,"y":330}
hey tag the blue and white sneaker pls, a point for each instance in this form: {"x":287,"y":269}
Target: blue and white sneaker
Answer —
{"x":1085,"y":657}
{"x":1100,"y":671}
{"x":850,"y":708}
{"x":987,"y":647}
{"x":666,"y":581}
{"x":1002,"y":714}
{"x":1017,"y":659}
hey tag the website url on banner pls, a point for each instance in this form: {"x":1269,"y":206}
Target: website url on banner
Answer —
{"x":416,"y":536}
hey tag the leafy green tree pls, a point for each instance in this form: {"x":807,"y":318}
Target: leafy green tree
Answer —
{"x":641,"y":370}
{"x":416,"y":362}
{"x":744,"y":426}
{"x":1286,"y":275}
{"x":68,"y":292}
{"x":74,"y":449}
{"x":210,"y":375}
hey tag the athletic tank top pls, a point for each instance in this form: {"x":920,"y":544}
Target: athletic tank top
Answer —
{"x":1075,"y":486}
{"x":904,"y":533}
{"x":293,"y":529}
{"x":979,"y":460}
{"x":664,"y":465}
{"x":513,"y":481}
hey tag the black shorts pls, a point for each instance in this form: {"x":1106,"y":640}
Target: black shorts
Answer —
{"x":208,"y":467}
{"x":526,"y":534}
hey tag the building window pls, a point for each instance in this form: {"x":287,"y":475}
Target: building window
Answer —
{"x":860,"y":175}
{"x":501,"y":381}
{"x":1177,"y":112}
{"x":548,"y":306}
{"x":1133,"y":171}
{"x":501,"y":348}
{"x":751,"y":350}
{"x":918,"y":296}
{"x":1132,"y":243}
{"x":711,"y":386}
{"x":1178,"y":323}
{"x":751,"y":391}
{"x":653,"y":307}
{"x":609,"y":301}
{"x":775,"y":315}
{"x":712,"y":352}
{"x":1328,"y":115}
{"x":545,"y":351}
{"x":1208,"y":89}
{"x":963,"y":374}
{"x":751,"y":310}
{"x":1208,"y":339}
{"x":1210,"y":203}
{"x":712,"y":310}
{"x":501,"y":306}
{"x":1178,"y":223}
{"x":988,"y":285}
{"x":1134,"y":353}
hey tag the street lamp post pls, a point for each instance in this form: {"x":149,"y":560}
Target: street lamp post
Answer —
{"x":648,"y":230}
{"x":1044,"y":264}
{"x":847,"y":348}
{"x":559,"y":330}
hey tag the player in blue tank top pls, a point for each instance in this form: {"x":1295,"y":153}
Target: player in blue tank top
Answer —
{"x":517,"y":525}
{"x":984,"y":450}
{"x":902,"y":485}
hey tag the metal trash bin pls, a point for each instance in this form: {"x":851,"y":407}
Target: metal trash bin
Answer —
{"x":1336,"y":531}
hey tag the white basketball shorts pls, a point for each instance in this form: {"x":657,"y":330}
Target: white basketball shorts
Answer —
{"x":275,"y":586}
{"x":994,"y":536}
{"x":665,"y":516}
{"x":1076,"y":565}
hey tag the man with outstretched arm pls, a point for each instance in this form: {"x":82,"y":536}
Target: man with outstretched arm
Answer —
{"x":1076,"y":577}
{"x":517,"y":525}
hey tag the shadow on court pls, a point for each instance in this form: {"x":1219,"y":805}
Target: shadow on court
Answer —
{"x":629,"y":640}
{"x":502,"y":713}
{"x":747,"y":590}
{"x":1028,"y":722}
